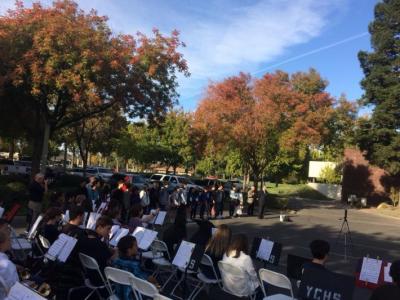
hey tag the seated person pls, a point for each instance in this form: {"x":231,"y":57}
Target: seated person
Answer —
{"x":114,"y":212}
{"x":203,"y":234}
{"x":127,"y":252}
{"x":93,"y":246}
{"x":389,"y":291}
{"x":236,"y":255}
{"x":320,"y":251}
{"x":76,"y":216}
{"x":176,"y":232}
{"x":8,"y":271}
{"x":216,"y":248}
{"x":137,"y":218}
{"x":50,"y":223}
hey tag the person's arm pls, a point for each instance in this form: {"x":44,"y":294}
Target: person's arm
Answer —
{"x":249,"y":267}
{"x":45,"y":186}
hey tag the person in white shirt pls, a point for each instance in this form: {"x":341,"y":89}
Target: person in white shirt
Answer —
{"x":237,"y":256}
{"x":8,"y":271}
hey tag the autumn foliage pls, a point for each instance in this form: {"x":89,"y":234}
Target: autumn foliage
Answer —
{"x":262,"y":116}
{"x":60,"y":65}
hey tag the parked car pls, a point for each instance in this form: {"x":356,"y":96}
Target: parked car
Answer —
{"x":101,"y":173}
{"x":18,"y":167}
{"x":228,"y":185}
{"x":5,"y":164}
{"x":174,"y":181}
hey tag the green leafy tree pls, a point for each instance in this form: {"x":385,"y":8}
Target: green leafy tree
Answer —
{"x":380,"y":134}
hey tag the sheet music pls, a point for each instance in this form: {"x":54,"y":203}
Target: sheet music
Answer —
{"x":265,"y":249}
{"x":386,"y":275}
{"x":102,"y":206}
{"x":114,"y":230}
{"x":147,"y":239}
{"x":21,"y":292}
{"x":1,"y":211}
{"x":67,"y":249}
{"x":61,"y":248}
{"x":138,"y":233}
{"x":119,"y":235}
{"x":20,"y":244}
{"x":213,"y":230}
{"x":66,"y":216}
{"x":159,"y":220}
{"x":370,"y":270}
{"x":91,"y":224}
{"x":183,"y":254}
{"x":84,"y":221}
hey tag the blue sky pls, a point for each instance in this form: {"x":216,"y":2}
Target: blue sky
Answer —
{"x":224,"y":37}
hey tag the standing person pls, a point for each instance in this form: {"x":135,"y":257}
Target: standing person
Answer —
{"x":164,"y":197}
{"x":37,"y":189}
{"x":193,"y":200}
{"x":251,"y":195}
{"x":145,"y":199}
{"x":233,"y":200}
{"x":203,"y":198}
{"x":239,"y":204}
{"x":262,"y":200}
{"x":219,"y":202}
{"x":154,"y":194}
{"x":92,"y":192}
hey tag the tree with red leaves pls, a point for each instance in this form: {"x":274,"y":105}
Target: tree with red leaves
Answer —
{"x":60,"y":65}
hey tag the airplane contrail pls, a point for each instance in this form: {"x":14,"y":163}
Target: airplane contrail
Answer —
{"x":351,"y":38}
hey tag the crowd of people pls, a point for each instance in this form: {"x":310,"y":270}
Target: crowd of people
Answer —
{"x":126,"y":206}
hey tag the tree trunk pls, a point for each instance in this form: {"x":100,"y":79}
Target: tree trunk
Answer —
{"x":174,"y":169}
{"x":65,"y":157}
{"x":45,"y":148}
{"x":37,"y":144}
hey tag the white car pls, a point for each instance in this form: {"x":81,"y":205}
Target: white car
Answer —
{"x":18,"y":167}
{"x":174,"y":181}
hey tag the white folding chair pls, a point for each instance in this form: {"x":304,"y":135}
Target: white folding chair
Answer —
{"x":143,"y":287}
{"x":154,"y":251}
{"x":206,"y":282}
{"x":120,"y":277}
{"x":89,"y":263}
{"x":33,"y":231}
{"x":278,"y":280}
{"x":230,"y":276}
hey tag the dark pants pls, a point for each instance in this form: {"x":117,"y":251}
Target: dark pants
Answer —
{"x":261,"y":207}
{"x":219,"y":208}
{"x":250,"y":209}
{"x":232,"y":206}
{"x":203,"y":208}
{"x":193,"y":210}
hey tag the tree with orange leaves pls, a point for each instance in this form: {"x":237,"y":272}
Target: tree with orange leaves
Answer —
{"x":60,"y":65}
{"x":263,"y":117}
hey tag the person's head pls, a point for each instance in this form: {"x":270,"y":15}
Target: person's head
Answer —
{"x":114,"y":212}
{"x":39,"y":178}
{"x":5,"y":238}
{"x":234,"y":188}
{"x":53,"y":215}
{"x":394,"y":272}
{"x":238,"y":244}
{"x":136,"y":211}
{"x":253,"y":187}
{"x":103,"y":226}
{"x":79,"y":199}
{"x":76,"y":215}
{"x":127,"y":246}
{"x":219,"y":242}
{"x":319,"y":250}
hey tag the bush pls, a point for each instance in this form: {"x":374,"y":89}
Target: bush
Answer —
{"x":13,"y":189}
{"x":331,"y":175}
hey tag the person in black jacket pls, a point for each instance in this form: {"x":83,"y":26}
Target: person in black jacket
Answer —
{"x":389,"y":291}
{"x":176,"y":232}
{"x":51,"y":220}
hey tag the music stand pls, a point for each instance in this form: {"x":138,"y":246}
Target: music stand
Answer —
{"x":346,"y":233}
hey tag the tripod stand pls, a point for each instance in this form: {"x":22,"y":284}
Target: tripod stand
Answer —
{"x":345,"y":231}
